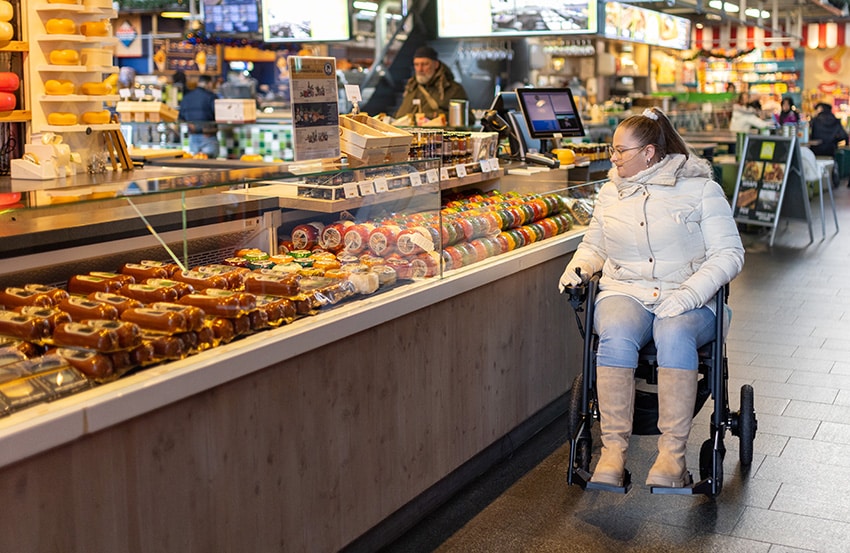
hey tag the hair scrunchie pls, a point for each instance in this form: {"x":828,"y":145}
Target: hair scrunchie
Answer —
{"x":651,"y":114}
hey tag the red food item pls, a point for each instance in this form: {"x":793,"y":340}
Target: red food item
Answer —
{"x":332,"y":236}
{"x":7,"y":101}
{"x":356,"y":238}
{"x":307,"y":237}
{"x":9,"y":82}
{"x":415,"y":241}
{"x":383,"y":239}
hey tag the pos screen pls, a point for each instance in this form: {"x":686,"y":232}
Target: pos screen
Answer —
{"x":550,"y":112}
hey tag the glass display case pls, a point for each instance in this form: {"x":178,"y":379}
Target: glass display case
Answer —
{"x":91,"y":258}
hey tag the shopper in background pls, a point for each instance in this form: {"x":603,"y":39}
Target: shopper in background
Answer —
{"x":787,"y":112}
{"x":198,"y":109}
{"x":663,"y":236}
{"x":827,"y":129}
{"x":432,"y":83}
{"x":746,"y":115}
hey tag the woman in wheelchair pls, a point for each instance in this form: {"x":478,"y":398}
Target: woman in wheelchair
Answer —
{"x":663,"y":237}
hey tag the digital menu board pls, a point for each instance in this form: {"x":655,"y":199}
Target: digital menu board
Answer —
{"x":635,"y":24}
{"x":231,"y":16}
{"x":300,"y":21}
{"x":498,"y":18}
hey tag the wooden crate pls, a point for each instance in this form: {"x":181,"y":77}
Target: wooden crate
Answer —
{"x":148,"y":111}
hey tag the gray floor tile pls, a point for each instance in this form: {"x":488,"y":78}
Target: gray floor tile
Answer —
{"x":807,"y":392}
{"x":792,"y":530}
{"x":826,"y":504}
{"x":833,"y":432}
{"x":788,"y":362}
{"x":818,"y":411}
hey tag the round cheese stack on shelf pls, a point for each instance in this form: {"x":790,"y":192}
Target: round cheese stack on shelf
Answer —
{"x":96,"y":117}
{"x":60,"y":26}
{"x":61,"y":118}
{"x":64,"y":57}
{"x":96,"y":28}
{"x":7,"y":12}
{"x":95,"y":89}
{"x":55,"y":87}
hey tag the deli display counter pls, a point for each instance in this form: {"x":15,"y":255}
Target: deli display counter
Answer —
{"x":307,"y":432}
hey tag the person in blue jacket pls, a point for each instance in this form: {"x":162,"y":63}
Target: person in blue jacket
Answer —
{"x":198,"y":110}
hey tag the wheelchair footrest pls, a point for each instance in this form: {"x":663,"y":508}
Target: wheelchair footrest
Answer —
{"x":627,"y":485}
{"x":685,"y":490}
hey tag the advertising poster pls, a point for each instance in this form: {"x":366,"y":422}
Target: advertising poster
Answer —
{"x":770,"y":182}
{"x":315,"y":108}
{"x":128,"y":31}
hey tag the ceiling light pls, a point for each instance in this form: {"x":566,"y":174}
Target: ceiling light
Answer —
{"x":757,"y":13}
{"x":175,"y":15}
{"x":725,"y":6}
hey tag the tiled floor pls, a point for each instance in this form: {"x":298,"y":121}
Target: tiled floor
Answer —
{"x":790,"y":339}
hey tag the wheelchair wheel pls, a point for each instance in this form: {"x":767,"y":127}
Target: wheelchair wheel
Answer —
{"x":708,"y":458}
{"x":583,"y":447}
{"x":746,"y":425}
{"x":575,"y":407}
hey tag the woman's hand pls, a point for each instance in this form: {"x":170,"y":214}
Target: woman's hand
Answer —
{"x":679,"y":301}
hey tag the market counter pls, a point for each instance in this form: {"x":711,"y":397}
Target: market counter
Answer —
{"x":305,"y":437}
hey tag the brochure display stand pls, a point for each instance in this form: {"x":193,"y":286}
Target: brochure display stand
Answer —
{"x":770,"y":183}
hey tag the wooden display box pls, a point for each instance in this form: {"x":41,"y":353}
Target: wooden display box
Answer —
{"x":153,"y":112}
{"x":366,"y":140}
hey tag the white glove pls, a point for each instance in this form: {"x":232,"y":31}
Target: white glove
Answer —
{"x":571,"y":278}
{"x":677,"y":303}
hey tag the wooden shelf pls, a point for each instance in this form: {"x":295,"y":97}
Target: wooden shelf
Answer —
{"x":77,"y":69}
{"x":16,"y":46}
{"x":82,"y":39}
{"x":78,"y":98}
{"x":80,"y":128}
{"x":15,"y":116}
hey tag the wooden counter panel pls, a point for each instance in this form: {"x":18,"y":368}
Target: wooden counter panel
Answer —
{"x":312,"y":452}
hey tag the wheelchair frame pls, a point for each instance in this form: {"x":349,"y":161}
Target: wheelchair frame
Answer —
{"x":714,"y":368}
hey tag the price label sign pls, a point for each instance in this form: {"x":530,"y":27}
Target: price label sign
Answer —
{"x":381,"y":185}
{"x":365,"y":188}
{"x":485,"y":165}
{"x":350,"y":190}
{"x":433,"y":177}
{"x":444,"y":173}
{"x":460,"y":170}
{"x":415,"y":179}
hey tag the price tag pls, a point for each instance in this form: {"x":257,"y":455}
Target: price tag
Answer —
{"x":350,"y":190}
{"x":432,"y":176}
{"x":494,"y":164}
{"x":444,"y":173}
{"x":461,"y":170}
{"x":124,"y":93}
{"x":485,"y":165}
{"x":157,"y":94}
{"x":415,"y":179}
{"x":381,"y":185}
{"x":352,"y":92}
{"x":139,"y":93}
{"x":365,"y":188}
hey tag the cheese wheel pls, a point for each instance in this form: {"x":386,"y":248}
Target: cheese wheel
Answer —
{"x":95,"y":28}
{"x":7,"y":101}
{"x":96,"y":117}
{"x":61,"y":118}
{"x":60,"y":26}
{"x":6,"y":31}
{"x":54,"y":87}
{"x":7,"y":12}
{"x":63,"y":1}
{"x":95,"y":89}
{"x":9,"y":82}
{"x":64,"y":57}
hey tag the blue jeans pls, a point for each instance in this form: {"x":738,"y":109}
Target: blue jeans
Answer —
{"x":204,"y":144}
{"x":624,"y":326}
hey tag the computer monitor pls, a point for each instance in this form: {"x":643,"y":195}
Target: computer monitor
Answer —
{"x":550,"y":113}
{"x":505,"y":102}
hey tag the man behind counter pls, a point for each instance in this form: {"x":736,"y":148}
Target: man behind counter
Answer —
{"x":432,"y":83}
{"x":198,"y":110}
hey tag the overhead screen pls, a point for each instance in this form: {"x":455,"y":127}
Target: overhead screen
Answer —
{"x":305,"y":20}
{"x":498,"y":18}
{"x":635,"y":24}
{"x":231,"y":16}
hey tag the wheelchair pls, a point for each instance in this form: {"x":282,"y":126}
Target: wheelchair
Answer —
{"x":713,"y":382}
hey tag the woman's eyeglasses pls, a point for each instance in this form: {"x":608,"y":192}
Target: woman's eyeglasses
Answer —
{"x":612,"y":151}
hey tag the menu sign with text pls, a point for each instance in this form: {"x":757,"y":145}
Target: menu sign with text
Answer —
{"x":315,"y":107}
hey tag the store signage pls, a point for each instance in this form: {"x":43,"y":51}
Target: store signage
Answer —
{"x":491,"y":18}
{"x":770,"y":182}
{"x":315,"y":108}
{"x":128,"y":34}
{"x":635,"y":24}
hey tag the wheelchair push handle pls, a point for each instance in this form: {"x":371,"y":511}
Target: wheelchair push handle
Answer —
{"x":577,"y":293}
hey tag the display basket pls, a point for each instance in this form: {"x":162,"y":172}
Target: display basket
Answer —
{"x":366,"y":140}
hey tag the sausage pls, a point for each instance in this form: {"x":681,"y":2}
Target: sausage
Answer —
{"x":121,"y":303}
{"x":223,"y":329}
{"x":181,"y":288}
{"x":142,"y":355}
{"x":160,"y":320}
{"x":194,"y":315}
{"x":86,"y":284}
{"x":90,"y":363}
{"x":56,"y":294}
{"x":147,"y":293}
{"x":24,"y":327}
{"x":235,"y":275}
{"x":78,"y":335}
{"x":283,"y":285}
{"x":143,"y":272}
{"x":165,"y":347}
{"x":170,"y":268}
{"x":13,"y":297}
{"x":80,"y":308}
{"x":129,"y":334}
{"x":52,"y":315}
{"x":217,"y":305}
{"x":200,"y":280}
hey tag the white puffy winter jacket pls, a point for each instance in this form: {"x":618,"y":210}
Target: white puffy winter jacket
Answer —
{"x":667,"y":227}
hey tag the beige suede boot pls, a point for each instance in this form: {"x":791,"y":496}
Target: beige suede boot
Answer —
{"x":677,"y":390}
{"x":615,"y":388}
